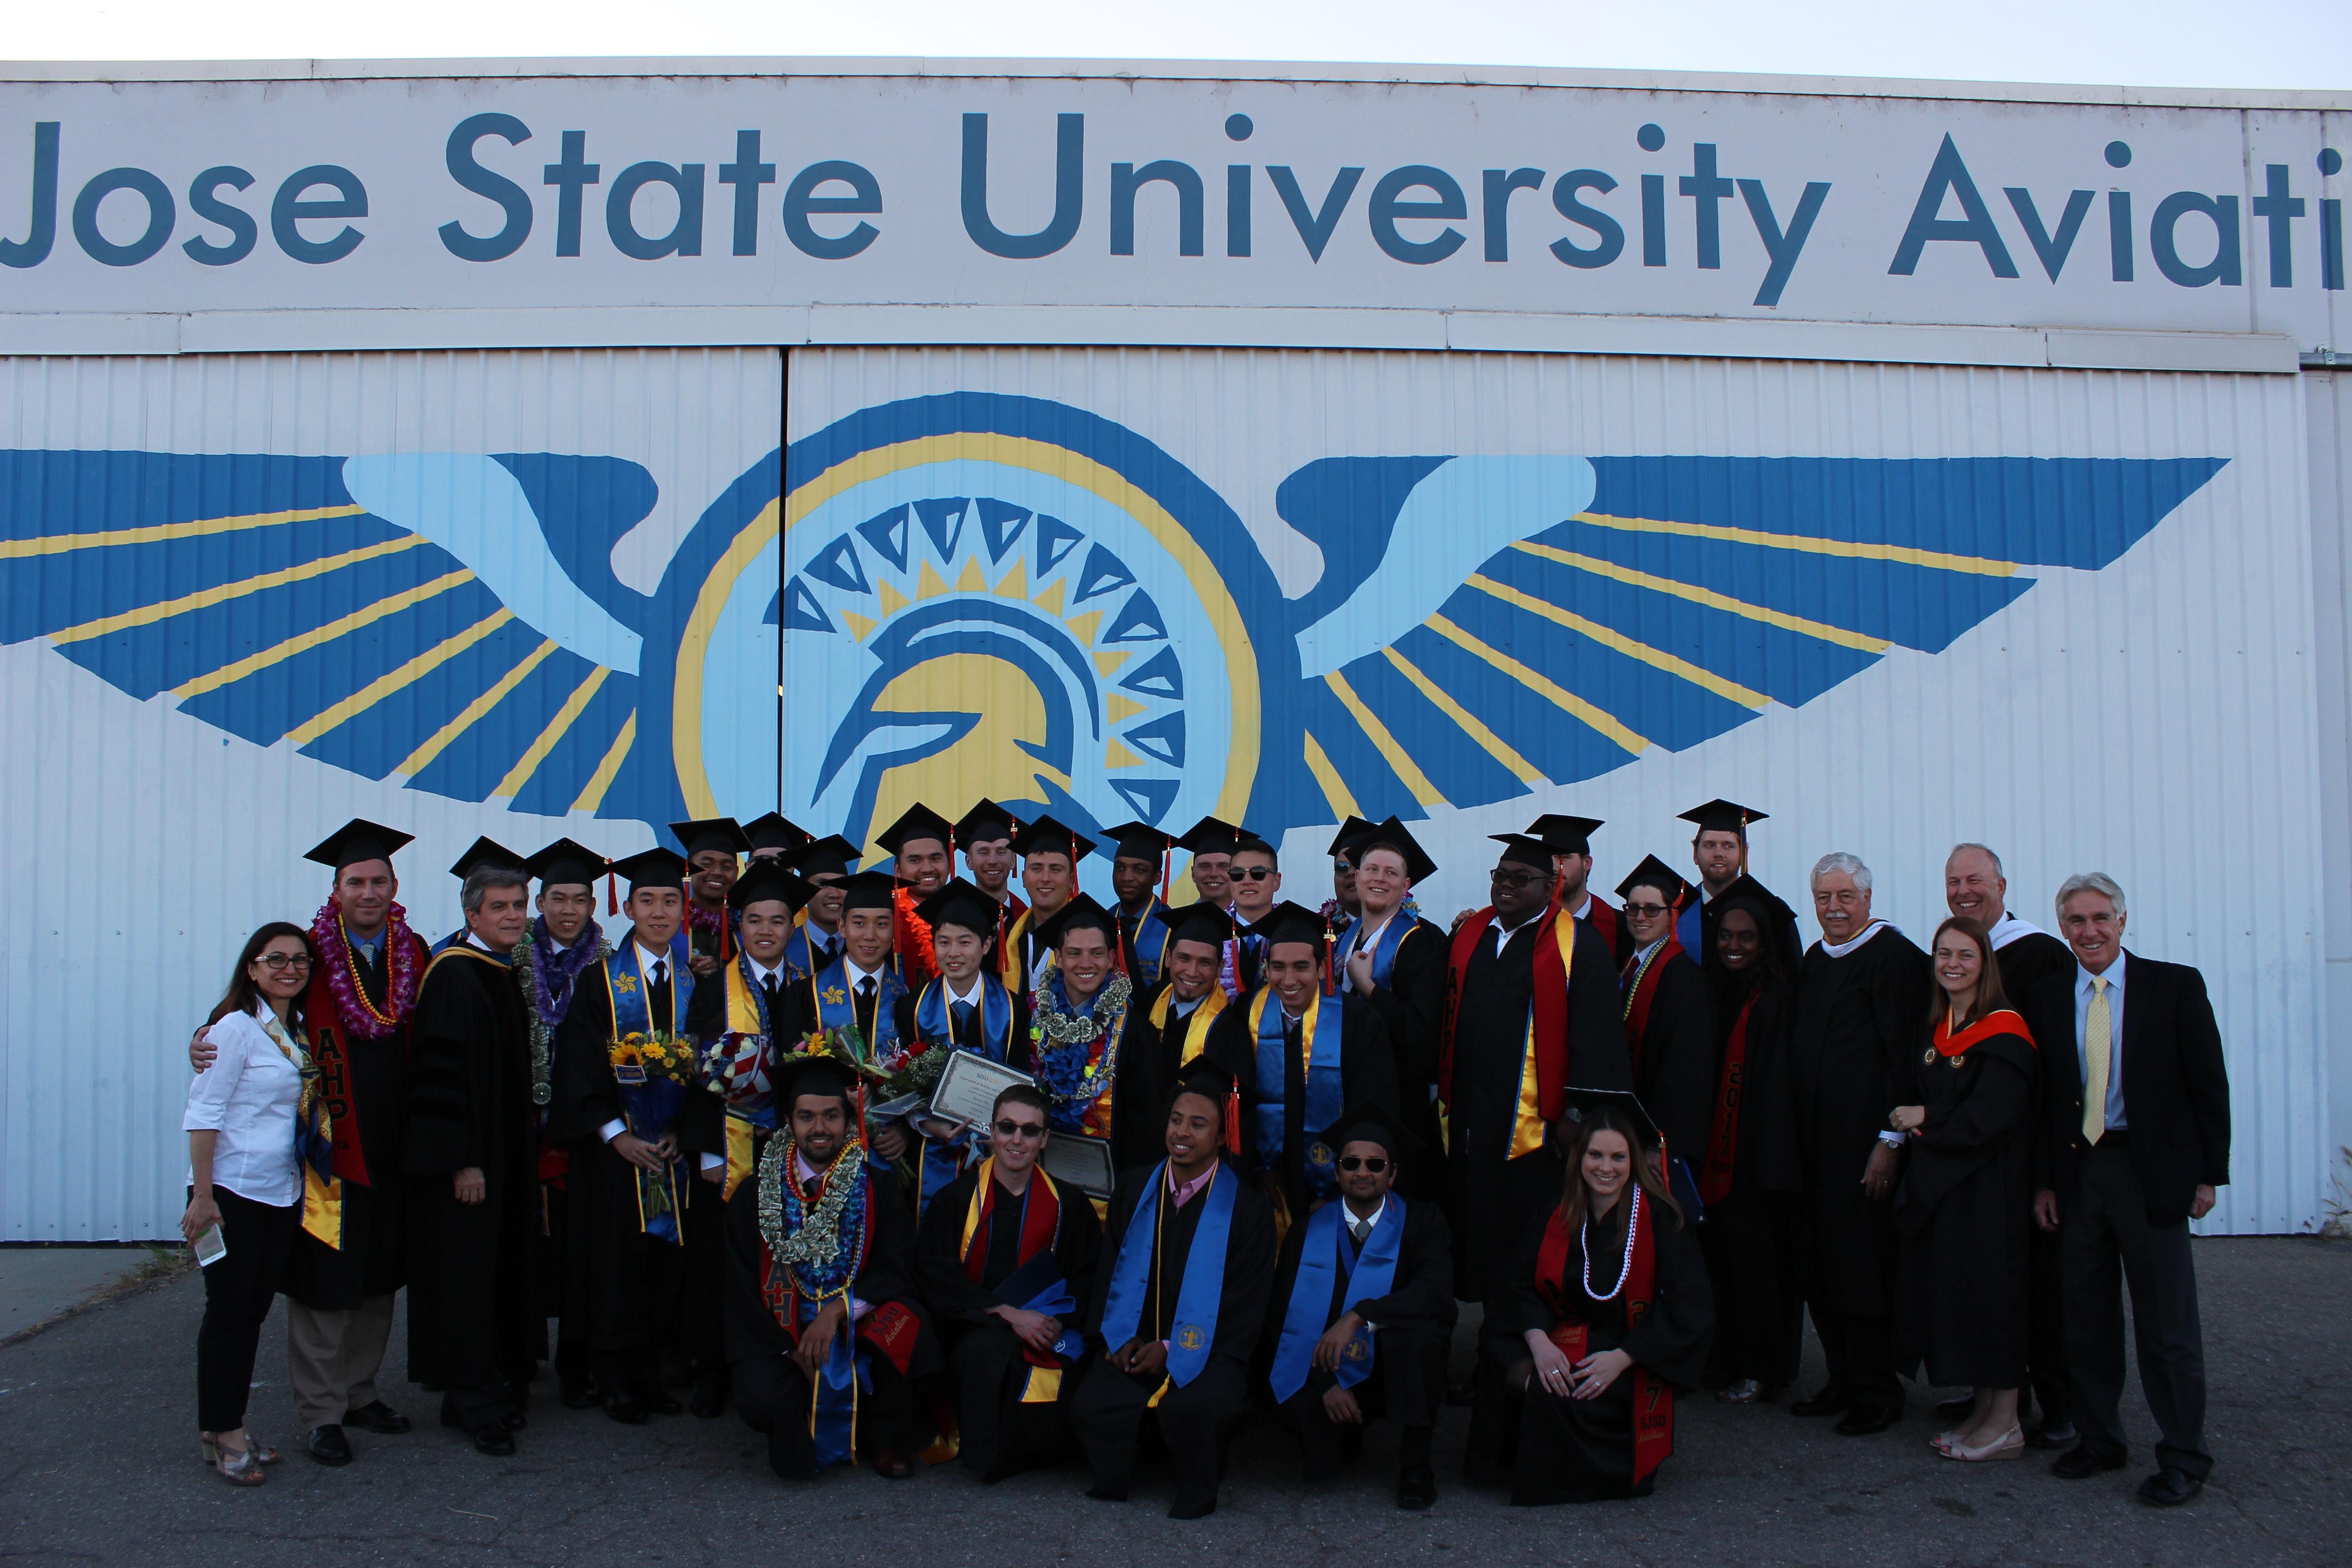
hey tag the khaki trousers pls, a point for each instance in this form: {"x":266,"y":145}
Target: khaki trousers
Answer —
{"x":332,"y":1357}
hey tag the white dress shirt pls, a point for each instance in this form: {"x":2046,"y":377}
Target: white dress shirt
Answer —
{"x":248,"y":1097}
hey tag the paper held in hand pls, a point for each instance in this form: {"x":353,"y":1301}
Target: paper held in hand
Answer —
{"x":968,"y":1086}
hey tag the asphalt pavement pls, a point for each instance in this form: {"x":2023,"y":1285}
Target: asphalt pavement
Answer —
{"x":99,"y":1463}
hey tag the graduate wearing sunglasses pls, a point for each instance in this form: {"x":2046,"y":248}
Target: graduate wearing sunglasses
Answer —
{"x":1363,"y":1311}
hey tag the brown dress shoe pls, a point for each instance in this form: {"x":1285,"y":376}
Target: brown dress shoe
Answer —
{"x":893,"y":1464}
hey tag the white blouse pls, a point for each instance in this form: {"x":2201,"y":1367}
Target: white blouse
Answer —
{"x":249,"y":1096}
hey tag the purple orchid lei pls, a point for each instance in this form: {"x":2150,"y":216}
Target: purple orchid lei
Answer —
{"x":552,"y":983}
{"x":358,"y":1015}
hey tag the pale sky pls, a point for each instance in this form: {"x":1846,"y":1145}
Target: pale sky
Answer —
{"x":2171,"y":43}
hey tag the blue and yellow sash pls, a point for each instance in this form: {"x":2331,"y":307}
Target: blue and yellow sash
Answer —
{"x":1320,"y":1041}
{"x":1150,"y":943}
{"x":751,"y":1105}
{"x":800,"y":958}
{"x":314,"y":1137}
{"x":1203,"y":1290}
{"x":651,"y":1106}
{"x":1308,"y":1314}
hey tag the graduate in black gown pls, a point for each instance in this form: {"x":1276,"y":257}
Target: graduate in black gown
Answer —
{"x":1569,"y":839}
{"x":1295,"y":1078}
{"x":1170,"y":1026}
{"x":1964,"y":1209}
{"x":964,"y":1008}
{"x":475,"y":1325}
{"x":1719,"y":852}
{"x":1669,"y":1021}
{"x":714,"y":848}
{"x":1860,"y":997}
{"x":1178,"y":1304}
{"x":1749,"y":1174}
{"x":826,"y":1334}
{"x":1396,"y":960}
{"x":1605,"y":1318}
{"x":1075,"y":1045}
{"x":1139,"y":867}
{"x":1363,"y":1314}
{"x":1004,"y":1256}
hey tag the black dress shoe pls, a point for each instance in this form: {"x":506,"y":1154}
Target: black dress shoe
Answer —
{"x":709,"y":1400}
{"x":2170,"y":1487}
{"x":892,"y":1464}
{"x":1950,"y":1410}
{"x":1864,"y":1420}
{"x":2082,"y":1461}
{"x":583,"y":1395}
{"x":1831,"y":1401}
{"x":1416,"y":1488}
{"x":1191,"y":1507}
{"x":375,"y":1416}
{"x":2052,"y":1435}
{"x":1461,"y":1395}
{"x":1107,"y":1491}
{"x":661,"y":1403}
{"x":629,"y":1410}
{"x":328,"y":1444}
{"x":492,"y":1438}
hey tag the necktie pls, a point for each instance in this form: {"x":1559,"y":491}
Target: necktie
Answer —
{"x":1359,"y":1228}
{"x":809,"y":1188}
{"x":773,"y":985}
{"x":657,"y":998}
{"x":2098,"y":1048}
{"x":963,"y":1011}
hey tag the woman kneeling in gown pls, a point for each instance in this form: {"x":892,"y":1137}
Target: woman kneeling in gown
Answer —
{"x":1606,"y":1316}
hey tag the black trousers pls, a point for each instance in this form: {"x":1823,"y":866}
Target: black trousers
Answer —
{"x":1407,"y":1384}
{"x":1194,"y":1420}
{"x":1860,"y":1349}
{"x":774,"y":1397}
{"x":1000,"y":1435}
{"x":239,"y":1290}
{"x":702,"y":1338}
{"x":2045,"y":1329}
{"x":1759,"y":1316}
{"x":2105,"y":1243}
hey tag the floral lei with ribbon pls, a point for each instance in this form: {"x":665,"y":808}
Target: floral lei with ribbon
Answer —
{"x":357,"y":1014}
{"x":538,"y":997}
{"x":1070,"y":1076}
{"x":817,"y":1253}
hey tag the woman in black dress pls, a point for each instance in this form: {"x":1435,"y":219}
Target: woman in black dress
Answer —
{"x":1603,"y":1316}
{"x":1964,"y":1208}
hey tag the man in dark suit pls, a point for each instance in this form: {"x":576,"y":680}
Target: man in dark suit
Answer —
{"x":2136,"y":1136}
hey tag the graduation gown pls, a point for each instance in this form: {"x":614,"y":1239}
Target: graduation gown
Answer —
{"x":1857,"y":1028}
{"x":1675,"y":1056}
{"x":1411,"y":1007}
{"x":1367,"y":1076}
{"x":1964,"y":1211}
{"x":1138,"y":1117}
{"x":473,"y":1318}
{"x":1154,"y":1054}
{"x":372,"y":1099}
{"x":1491,"y":1193}
{"x":1696,"y":926}
{"x":1000,"y":1433}
{"x":1581,"y":1450}
{"x":1759,"y":1310}
{"x":2028,"y":959}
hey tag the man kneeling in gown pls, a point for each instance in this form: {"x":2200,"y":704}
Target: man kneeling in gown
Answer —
{"x":1603,"y":1316}
{"x":1365,"y":1301}
{"x":1177,"y":1304}
{"x":1004,"y":1254}
{"x":827,"y":1341}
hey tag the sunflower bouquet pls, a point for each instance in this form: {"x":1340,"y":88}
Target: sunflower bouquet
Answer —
{"x":655,"y":1056}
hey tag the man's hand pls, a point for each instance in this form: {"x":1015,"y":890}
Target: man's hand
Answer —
{"x":645,"y":1156}
{"x":201,"y":1050}
{"x":1359,"y":972}
{"x":666,"y":1146}
{"x":1596,"y":1372}
{"x":715,"y":1174}
{"x":1034,"y":1329}
{"x":468,"y":1185}
{"x":1341,"y":1408}
{"x":890,"y":1140}
{"x":1459,"y":918}
{"x":704,"y":964}
{"x":1142,"y":1358}
{"x":816,"y":1340}
{"x":1878,"y":1176}
{"x":1334,"y":1342}
{"x":2202,"y":1203}
{"x":2045,"y":1208}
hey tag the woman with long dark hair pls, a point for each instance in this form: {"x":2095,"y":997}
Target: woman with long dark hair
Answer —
{"x":1602,"y":1317}
{"x":1759,"y":1313}
{"x":246,"y":1126}
{"x":1965,"y":1207}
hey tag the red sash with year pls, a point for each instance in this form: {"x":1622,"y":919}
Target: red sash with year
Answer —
{"x":1723,"y":1136}
{"x":1654,"y":1399}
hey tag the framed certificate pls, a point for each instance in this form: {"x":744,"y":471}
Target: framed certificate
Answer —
{"x":968,"y":1086}
{"x":1082,"y":1162}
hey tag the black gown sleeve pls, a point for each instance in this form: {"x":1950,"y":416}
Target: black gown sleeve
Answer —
{"x":1367,"y":1068}
{"x":1080,"y":1248}
{"x":1597,"y":1057}
{"x":586,"y":1096}
{"x":1412,"y":1004}
{"x":1672,"y":1338}
{"x":1517,"y":1308}
{"x":446,"y":1092}
{"x":705,"y":1009}
{"x":903,"y":1011}
{"x":752,"y":1329}
{"x":1422,"y":1294}
{"x":1898,"y":1002}
{"x":1680,"y":1093}
{"x":889,"y":1273}
{"x":936,"y":1262}
{"x":1249,"y":1276}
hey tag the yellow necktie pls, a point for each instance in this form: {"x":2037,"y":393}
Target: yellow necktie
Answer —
{"x":2098,"y":1045}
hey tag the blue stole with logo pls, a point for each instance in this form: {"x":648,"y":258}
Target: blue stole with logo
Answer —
{"x":1686,"y":926}
{"x":1203,"y":1290}
{"x":836,"y":1008}
{"x":799,"y":956}
{"x":650,"y":1106}
{"x":1150,"y":944}
{"x":1319,"y":1038}
{"x":945,"y":1159}
{"x":1384,"y":950}
{"x":1327,"y":1249}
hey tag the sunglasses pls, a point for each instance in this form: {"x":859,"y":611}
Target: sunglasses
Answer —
{"x":1021,"y":1129}
{"x":1251,"y":873}
{"x":1363,"y":1163}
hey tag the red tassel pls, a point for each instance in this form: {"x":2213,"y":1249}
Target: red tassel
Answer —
{"x":1232,"y":1121}
{"x":611,"y":893}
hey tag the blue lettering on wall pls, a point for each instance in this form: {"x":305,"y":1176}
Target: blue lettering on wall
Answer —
{"x":1388,"y":207}
{"x":1315,"y":226}
{"x":243,"y":232}
{"x":1125,"y":179}
{"x":510,"y":197}
{"x":41,"y":228}
{"x":161,"y":212}
{"x":1069,"y":191}
{"x":2162,"y":240}
{"x":1949,"y":176}
{"x":684,"y":236}
{"x":288,"y":210}
{"x":801,"y":201}
{"x":571,"y":176}
{"x":1611,"y":238}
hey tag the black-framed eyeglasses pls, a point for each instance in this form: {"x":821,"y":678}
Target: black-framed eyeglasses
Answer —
{"x":1649,"y":910}
{"x":277,"y":962}
{"x":1503,"y":879}
{"x":1251,"y":873}
{"x":1020,"y":1129}
{"x":1371,"y":1163}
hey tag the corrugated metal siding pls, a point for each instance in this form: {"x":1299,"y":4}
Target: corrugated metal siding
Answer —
{"x":2328,"y":398}
{"x":2068,"y":614}
{"x":438,"y":634}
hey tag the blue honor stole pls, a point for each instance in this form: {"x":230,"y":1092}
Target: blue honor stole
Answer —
{"x":836,"y":1009}
{"x":650,"y":1103}
{"x":1195,"y":1329}
{"x":1319,"y":1039}
{"x":1686,"y":926}
{"x":1327,"y":1253}
{"x":942,"y":1160}
{"x":1384,"y":947}
{"x":1149,"y":944}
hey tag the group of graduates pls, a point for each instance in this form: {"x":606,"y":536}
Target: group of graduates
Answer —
{"x":1645,"y":1138}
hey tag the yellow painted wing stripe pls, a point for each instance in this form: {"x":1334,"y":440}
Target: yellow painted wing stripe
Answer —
{"x":1472,"y":726}
{"x":1334,"y":788}
{"x":408,"y":674}
{"x":230,"y":673}
{"x":1657,"y":658}
{"x":1902,"y":554}
{"x":610,"y":768}
{"x":1819,"y":631}
{"x":204,"y":599}
{"x":1377,"y":733}
{"x":557,"y":727}
{"x":157,"y":533}
{"x":1551,"y":691}
{"x":418,"y":760}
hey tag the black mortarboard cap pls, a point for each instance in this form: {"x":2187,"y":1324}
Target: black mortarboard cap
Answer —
{"x":1522,"y":851}
{"x":486,"y":852}
{"x":1367,"y":1122}
{"x":657,"y":867}
{"x":1653,"y":872}
{"x":961,"y":903}
{"x":1585,"y":1102}
{"x":869,"y":890}
{"x":774,"y":830}
{"x":1564,"y":835}
{"x":919,"y":822}
{"x":1288,"y":921}
{"x":768,"y":879}
{"x":985,"y":823}
{"x":1140,"y":841}
{"x":831,"y":855}
{"x":1723,"y":816}
{"x":1080,"y":913}
{"x":1202,"y":923}
{"x":714,"y":833}
{"x":567,"y":863}
{"x":1392,"y":834}
{"x":1209,"y":835}
{"x":1050,"y":837}
{"x":357,"y":841}
{"x":827,"y":1076}
{"x":1202,"y":1077}
{"x":1354,"y":828}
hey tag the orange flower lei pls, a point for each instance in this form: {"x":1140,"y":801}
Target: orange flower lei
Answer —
{"x":912,"y":939}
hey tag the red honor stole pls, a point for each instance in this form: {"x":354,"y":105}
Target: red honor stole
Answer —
{"x":2002,"y":1022}
{"x":1604,"y":921}
{"x":329,"y":1044}
{"x":1638,"y":1001}
{"x":1544,"y":1052}
{"x":1653,"y":1398}
{"x":1041,"y":1223}
{"x":1723,"y":1135}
